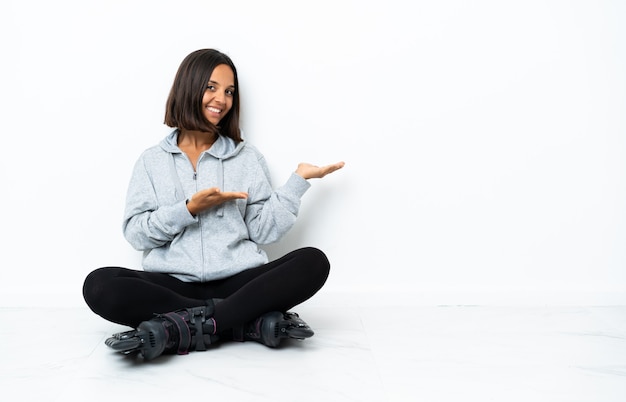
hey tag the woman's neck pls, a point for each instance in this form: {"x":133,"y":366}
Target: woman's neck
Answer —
{"x":198,"y":140}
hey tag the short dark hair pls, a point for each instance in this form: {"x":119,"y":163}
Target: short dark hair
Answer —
{"x":184,"y":103}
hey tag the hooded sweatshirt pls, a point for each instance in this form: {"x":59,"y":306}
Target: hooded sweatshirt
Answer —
{"x":221,"y":241}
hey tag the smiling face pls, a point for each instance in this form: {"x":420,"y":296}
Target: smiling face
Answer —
{"x":218,"y":96}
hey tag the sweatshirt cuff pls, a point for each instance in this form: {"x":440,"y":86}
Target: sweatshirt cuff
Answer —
{"x":180,"y":217}
{"x":297,"y":185}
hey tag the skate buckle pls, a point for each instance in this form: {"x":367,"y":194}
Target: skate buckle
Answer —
{"x":196,"y":312}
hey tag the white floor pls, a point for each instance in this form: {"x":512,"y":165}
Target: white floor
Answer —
{"x":359,"y":353}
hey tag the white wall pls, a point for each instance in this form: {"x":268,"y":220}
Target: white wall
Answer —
{"x":484,"y":140}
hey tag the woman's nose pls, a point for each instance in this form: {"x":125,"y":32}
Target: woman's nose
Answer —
{"x":220,"y":97}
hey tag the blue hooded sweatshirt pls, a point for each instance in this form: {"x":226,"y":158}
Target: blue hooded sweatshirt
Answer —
{"x":221,"y":241}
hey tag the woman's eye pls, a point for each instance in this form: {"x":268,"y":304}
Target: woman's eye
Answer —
{"x":230,"y":92}
{"x":210,"y":87}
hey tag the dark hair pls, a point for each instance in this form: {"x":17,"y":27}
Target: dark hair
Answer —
{"x":184,"y":103}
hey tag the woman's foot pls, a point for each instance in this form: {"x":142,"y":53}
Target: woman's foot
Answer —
{"x":176,"y":332}
{"x":271,"y":328}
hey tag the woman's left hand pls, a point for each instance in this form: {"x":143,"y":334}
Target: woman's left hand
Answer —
{"x":309,"y":171}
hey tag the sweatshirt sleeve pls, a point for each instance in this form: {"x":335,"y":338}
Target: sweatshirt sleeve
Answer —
{"x":147,"y":224}
{"x":272,"y":213}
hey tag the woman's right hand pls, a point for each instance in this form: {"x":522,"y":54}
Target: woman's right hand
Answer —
{"x":211,"y":197}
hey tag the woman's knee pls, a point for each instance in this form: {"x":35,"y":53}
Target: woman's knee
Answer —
{"x":317,"y":260}
{"x":95,"y":284}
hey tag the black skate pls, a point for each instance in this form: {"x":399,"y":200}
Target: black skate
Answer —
{"x":176,"y":332}
{"x":271,"y":328}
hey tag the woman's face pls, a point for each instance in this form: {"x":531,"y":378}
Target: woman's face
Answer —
{"x":218,"y":96}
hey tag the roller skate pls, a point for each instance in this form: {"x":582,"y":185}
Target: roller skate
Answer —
{"x":177,"y":332}
{"x":271,"y":328}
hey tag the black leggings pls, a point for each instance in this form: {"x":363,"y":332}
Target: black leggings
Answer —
{"x":128,"y":297}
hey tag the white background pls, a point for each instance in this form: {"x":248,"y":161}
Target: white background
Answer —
{"x":484,"y":141}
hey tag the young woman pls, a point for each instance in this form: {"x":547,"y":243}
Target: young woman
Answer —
{"x":198,"y":205}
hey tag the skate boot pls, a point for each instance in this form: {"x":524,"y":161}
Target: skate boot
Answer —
{"x":177,"y":332}
{"x":271,"y":328}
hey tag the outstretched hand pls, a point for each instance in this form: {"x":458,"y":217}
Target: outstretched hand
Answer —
{"x":211,"y":197}
{"x":309,"y":171}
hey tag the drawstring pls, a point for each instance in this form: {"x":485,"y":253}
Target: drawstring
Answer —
{"x":178,"y":192}
{"x":220,"y":210}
